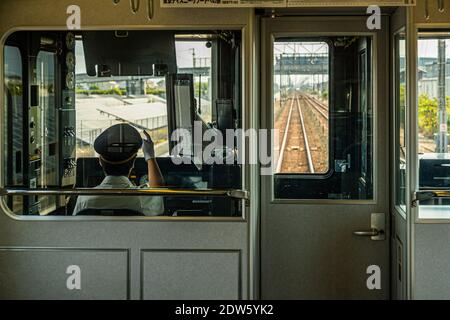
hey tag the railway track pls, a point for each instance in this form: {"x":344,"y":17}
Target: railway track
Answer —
{"x":303,"y":125}
{"x":319,"y":107}
{"x":295,"y":153}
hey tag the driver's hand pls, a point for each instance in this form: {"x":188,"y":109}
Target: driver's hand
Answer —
{"x":148,"y":147}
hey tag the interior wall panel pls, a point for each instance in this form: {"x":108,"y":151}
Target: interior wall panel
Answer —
{"x":29,"y":273}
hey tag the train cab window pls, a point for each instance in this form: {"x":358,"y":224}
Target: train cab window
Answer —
{"x":433,"y":76}
{"x":103,"y":110}
{"x":322,"y":111}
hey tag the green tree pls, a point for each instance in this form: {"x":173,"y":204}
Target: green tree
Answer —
{"x":428,"y":115}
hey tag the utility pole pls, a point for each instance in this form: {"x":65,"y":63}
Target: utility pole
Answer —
{"x":322,"y":70}
{"x":311,"y":60}
{"x":281,"y":79}
{"x":193,"y":57}
{"x":442,"y":143}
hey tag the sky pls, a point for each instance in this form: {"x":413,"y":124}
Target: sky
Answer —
{"x":429,"y":48}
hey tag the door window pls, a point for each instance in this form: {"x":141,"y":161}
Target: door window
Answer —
{"x":323,"y":114}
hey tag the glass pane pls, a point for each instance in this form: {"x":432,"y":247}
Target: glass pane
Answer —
{"x":84,"y":83}
{"x":322,"y":107}
{"x":433,"y":76}
{"x":45,"y":118}
{"x":46,"y":82}
{"x":400,"y":120}
{"x":434,"y":90}
{"x":101,"y":103}
{"x":300,"y":103}
{"x":13,"y":171}
{"x":195,"y":57}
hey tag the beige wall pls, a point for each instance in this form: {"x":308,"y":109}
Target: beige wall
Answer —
{"x":98,"y":13}
{"x":436,"y":17}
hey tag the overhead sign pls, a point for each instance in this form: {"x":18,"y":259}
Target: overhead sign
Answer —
{"x":222,"y":3}
{"x":349,"y":3}
{"x":279,"y":3}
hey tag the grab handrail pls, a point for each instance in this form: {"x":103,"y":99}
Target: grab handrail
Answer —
{"x":231,"y":193}
{"x":424,"y":195}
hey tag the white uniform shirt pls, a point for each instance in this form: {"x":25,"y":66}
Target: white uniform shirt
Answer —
{"x":148,"y":205}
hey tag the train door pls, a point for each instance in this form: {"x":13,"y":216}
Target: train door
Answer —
{"x":324,"y":222}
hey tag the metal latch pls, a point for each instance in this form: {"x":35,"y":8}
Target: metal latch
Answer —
{"x":342,"y":165}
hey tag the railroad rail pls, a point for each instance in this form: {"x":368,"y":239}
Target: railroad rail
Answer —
{"x":316,"y":105}
{"x":305,"y":138}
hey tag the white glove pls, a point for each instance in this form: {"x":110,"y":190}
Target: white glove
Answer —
{"x":148,"y":147}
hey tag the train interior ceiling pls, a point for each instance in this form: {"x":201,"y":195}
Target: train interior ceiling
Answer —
{"x":345,"y":109}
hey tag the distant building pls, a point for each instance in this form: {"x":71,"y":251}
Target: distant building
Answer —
{"x":429,"y":86}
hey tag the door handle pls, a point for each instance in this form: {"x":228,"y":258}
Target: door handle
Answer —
{"x":368,"y":233}
{"x":377,"y":227}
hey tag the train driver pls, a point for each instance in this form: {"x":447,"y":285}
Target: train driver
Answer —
{"x":118,"y":147}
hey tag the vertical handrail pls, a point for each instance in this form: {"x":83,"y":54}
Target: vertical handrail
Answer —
{"x":150,"y":9}
{"x":135,"y":4}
